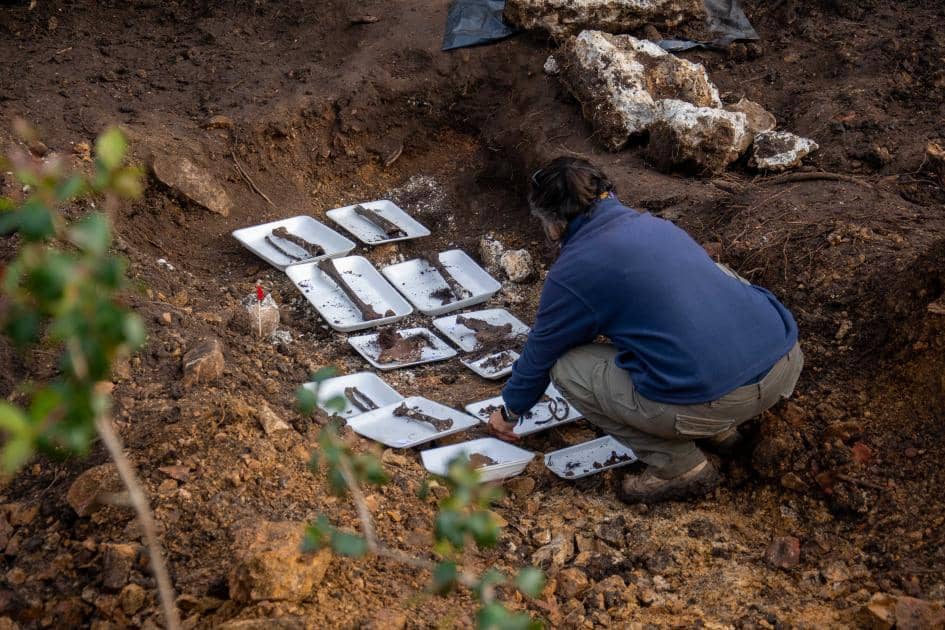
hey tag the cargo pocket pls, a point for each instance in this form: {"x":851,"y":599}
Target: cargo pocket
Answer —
{"x":695,"y":427}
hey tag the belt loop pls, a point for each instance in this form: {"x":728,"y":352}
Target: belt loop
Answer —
{"x":758,"y":385}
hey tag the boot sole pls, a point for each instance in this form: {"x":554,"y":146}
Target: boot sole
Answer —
{"x":699,"y":487}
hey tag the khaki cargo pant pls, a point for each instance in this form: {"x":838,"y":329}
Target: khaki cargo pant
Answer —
{"x":663,"y":435}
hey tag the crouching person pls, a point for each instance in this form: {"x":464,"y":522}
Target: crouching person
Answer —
{"x":693,"y":349}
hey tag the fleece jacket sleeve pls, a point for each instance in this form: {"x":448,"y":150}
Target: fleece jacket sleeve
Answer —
{"x":563,"y":321}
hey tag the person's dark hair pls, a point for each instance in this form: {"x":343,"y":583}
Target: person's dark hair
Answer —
{"x":566,"y":188}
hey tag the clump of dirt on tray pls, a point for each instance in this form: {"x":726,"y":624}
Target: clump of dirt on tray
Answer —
{"x":487,"y":335}
{"x":478,"y":460}
{"x":498,"y":362}
{"x":396,"y":348}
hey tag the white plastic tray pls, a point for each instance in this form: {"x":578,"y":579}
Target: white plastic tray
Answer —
{"x":254,"y":239}
{"x":537,"y":419}
{"x":510,"y":459}
{"x":370,"y":234}
{"x":579,"y":460}
{"x":368,"y":383}
{"x":466,"y":338}
{"x":383,"y":426}
{"x":477,"y":365}
{"x":333,"y":305}
{"x":367,"y":347}
{"x":417,"y":280}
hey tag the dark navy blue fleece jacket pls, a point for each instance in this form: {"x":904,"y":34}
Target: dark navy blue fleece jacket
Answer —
{"x":686,"y":331}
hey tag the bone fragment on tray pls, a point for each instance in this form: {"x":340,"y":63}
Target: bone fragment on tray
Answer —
{"x":359,"y":400}
{"x":367,"y":311}
{"x":281,"y":233}
{"x":390,"y":229}
{"x":414,"y":414}
{"x":396,"y":348}
{"x":459,"y":291}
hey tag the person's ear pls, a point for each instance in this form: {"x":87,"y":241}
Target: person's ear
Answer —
{"x":555,"y":230}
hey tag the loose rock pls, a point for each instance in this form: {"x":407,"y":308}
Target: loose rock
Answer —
{"x":204,"y":363}
{"x":269,"y":623}
{"x":780,"y":150}
{"x":219,"y":122}
{"x":759,"y":119}
{"x":784,"y":552}
{"x":619,"y":81}
{"x":269,"y":419}
{"x":517,"y":265}
{"x":557,"y":552}
{"x":269,"y":563}
{"x":191,"y":181}
{"x":132,"y":598}
{"x":117,"y":561}
{"x":520,"y":486}
{"x":571,"y":582}
{"x":491,"y":250}
{"x":699,"y":139}
{"x":567,"y":17}
{"x":90,"y":487}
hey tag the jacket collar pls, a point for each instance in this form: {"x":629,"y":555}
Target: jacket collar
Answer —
{"x":600,"y":206}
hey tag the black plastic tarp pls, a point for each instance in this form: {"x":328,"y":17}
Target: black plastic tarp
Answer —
{"x":472,"y":22}
{"x":726,"y":22}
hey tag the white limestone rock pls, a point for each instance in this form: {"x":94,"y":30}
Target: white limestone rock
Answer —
{"x":619,"y":80}
{"x":778,"y":151}
{"x":699,"y":139}
{"x":567,"y":17}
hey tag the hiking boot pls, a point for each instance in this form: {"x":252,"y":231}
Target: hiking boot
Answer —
{"x":725,"y":443}
{"x":648,"y":488}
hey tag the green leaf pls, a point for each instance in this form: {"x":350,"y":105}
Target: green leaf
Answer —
{"x":483,"y":528}
{"x":12,"y":419}
{"x":444,"y":578}
{"x":323,"y":373}
{"x":91,"y":234}
{"x":336,"y":481}
{"x":530,"y":581}
{"x":69,"y":188}
{"x":495,"y":616}
{"x":34,"y":221}
{"x":347,"y":544}
{"x":134,"y":331}
{"x":127,"y":183}
{"x":16,"y":452}
{"x":305,"y":400}
{"x":110,"y":149}
{"x":424,"y":490}
{"x":22,"y":326}
{"x":449,"y":526}
{"x":370,"y":469}
{"x":317,"y":535}
{"x":336,"y":404}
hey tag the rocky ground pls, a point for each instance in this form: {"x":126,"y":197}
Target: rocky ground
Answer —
{"x":833,"y":518}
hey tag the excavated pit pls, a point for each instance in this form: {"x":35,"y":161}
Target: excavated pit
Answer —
{"x":452,"y":139}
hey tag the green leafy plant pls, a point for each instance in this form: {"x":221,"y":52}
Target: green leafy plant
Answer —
{"x":61,"y":291}
{"x":463,"y":518}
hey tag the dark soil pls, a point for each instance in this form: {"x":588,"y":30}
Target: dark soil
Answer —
{"x":317,"y":108}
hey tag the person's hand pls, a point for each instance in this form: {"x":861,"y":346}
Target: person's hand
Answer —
{"x":500,"y":428}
